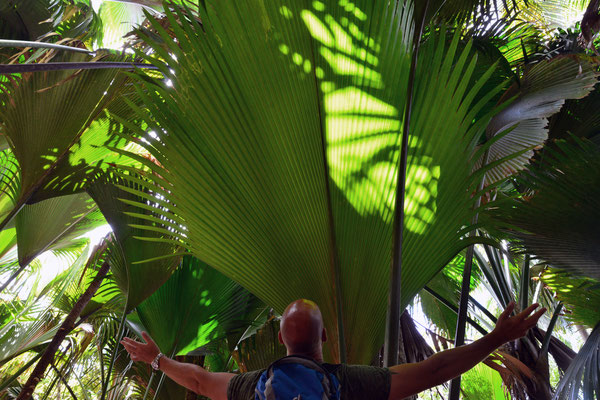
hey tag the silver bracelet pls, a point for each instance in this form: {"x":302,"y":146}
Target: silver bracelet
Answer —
{"x":154,"y":363}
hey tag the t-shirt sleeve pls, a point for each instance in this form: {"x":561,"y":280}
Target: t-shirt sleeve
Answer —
{"x":241,"y":387}
{"x":364,"y":382}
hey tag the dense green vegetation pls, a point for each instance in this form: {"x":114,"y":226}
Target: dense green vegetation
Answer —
{"x":249,"y":153}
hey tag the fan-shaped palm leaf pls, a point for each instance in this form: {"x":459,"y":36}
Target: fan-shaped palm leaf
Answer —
{"x":280,"y":154}
{"x":260,"y":349}
{"x":57,"y":131}
{"x":583,"y":376}
{"x":559,"y":222}
{"x":58,"y":216}
{"x":195,"y":306}
{"x":138,"y":267}
{"x":580,"y":295}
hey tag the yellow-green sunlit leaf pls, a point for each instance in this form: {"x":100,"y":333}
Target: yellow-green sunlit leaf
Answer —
{"x":97,"y":148}
{"x":8,"y":239}
{"x":118,"y":19}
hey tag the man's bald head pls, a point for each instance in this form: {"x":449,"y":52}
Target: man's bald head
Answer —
{"x":301,"y":329}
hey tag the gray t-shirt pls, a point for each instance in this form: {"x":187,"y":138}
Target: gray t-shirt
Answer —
{"x":357,"y":382}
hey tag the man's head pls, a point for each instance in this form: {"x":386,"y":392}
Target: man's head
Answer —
{"x":301,"y":329}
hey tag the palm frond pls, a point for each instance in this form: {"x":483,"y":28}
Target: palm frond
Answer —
{"x":283,"y":172}
{"x":58,"y":216}
{"x":540,"y":93}
{"x":138,"y":266}
{"x":558,"y":222}
{"x":195,"y":306}
{"x":580,"y":295}
{"x":583,"y":376}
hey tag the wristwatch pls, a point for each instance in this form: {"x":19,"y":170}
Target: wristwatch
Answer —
{"x":154,"y":363}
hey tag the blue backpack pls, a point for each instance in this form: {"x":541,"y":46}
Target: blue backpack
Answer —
{"x":297,"y":378}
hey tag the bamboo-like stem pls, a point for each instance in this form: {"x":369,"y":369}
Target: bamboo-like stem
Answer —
{"x":64,"y":381}
{"x":393,"y":332}
{"x":162,"y":379}
{"x":452,"y":307}
{"x":461,"y":323}
{"x":149,"y":384}
{"x":40,"y":45}
{"x":65,"y":328}
{"x":484,"y":310}
{"x":63,"y":66}
{"x":524,"y":294}
{"x":548,"y":336}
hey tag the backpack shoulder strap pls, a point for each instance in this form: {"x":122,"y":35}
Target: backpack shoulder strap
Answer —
{"x":327,"y":383}
{"x":305,"y":361}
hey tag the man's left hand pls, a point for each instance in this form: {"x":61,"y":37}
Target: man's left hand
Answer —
{"x":509,"y":328}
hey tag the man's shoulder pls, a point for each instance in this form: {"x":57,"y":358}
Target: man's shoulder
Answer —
{"x":241,"y":386}
{"x":358,"y":370}
{"x":363,"y":381}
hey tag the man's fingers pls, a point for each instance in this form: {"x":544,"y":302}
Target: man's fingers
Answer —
{"x":525,"y":313}
{"x":129,"y":341}
{"x":147,"y":338}
{"x":509,"y":308}
{"x":534,"y":318}
{"x":128,"y":348}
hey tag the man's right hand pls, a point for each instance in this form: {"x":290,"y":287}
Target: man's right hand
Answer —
{"x":197,"y":379}
{"x":139,"y":351}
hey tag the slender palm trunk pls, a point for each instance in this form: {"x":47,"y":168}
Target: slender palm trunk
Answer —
{"x":66,"y":327}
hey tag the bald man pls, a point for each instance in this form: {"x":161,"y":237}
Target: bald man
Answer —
{"x":302,"y":333}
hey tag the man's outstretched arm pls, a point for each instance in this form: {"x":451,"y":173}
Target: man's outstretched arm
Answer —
{"x":210,"y":384}
{"x":410,"y":379}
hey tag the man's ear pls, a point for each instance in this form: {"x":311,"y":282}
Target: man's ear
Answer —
{"x":280,"y":338}
{"x":324,"y":335}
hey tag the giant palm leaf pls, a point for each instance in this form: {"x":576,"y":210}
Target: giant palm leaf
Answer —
{"x":56,"y":128}
{"x":58,"y":216}
{"x":195,"y":306}
{"x":280,"y":147}
{"x":580,"y":295}
{"x":138,"y":267}
{"x":583,"y":376}
{"x":559,"y":222}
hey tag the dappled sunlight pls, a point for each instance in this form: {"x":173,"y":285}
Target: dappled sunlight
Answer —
{"x":362,"y":131}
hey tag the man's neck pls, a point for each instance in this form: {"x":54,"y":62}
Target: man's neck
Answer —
{"x":315,"y":355}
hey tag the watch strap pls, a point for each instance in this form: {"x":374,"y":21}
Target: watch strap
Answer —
{"x":154,"y":363}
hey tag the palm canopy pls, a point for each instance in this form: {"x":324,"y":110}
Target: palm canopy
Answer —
{"x":284,"y":171}
{"x":557,"y":221}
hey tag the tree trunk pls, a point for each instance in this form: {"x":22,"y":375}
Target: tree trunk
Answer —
{"x":66,"y":327}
